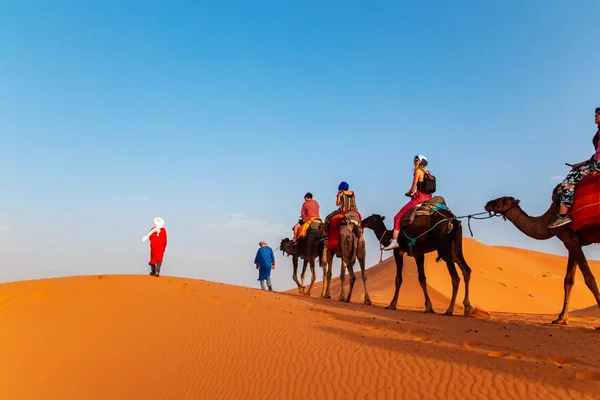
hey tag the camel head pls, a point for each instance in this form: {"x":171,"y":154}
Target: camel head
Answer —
{"x":285,"y":243}
{"x":372,"y":220}
{"x":501,"y":205}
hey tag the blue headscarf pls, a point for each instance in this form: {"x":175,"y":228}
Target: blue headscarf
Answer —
{"x":343,"y":186}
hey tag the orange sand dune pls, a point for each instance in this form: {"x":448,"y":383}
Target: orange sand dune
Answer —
{"x":593,"y":311}
{"x":134,"y":337}
{"x":503,"y":279}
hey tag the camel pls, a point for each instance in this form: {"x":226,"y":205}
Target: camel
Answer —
{"x":308,"y":248}
{"x":537,"y":228}
{"x":439,"y":231}
{"x":351,"y":246}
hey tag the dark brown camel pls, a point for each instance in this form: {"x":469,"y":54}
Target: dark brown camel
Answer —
{"x":537,"y":228}
{"x":351,"y":246}
{"x":308,"y":248}
{"x":438,"y":234}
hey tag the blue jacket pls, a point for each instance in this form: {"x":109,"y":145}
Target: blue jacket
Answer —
{"x":265,"y":259}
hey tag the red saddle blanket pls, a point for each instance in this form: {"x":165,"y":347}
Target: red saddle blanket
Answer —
{"x":586,"y":203}
{"x":333,"y":236}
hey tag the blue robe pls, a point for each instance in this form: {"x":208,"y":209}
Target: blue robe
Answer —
{"x":265,"y":259}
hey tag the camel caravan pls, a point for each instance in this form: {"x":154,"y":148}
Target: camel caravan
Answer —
{"x":426,"y":224}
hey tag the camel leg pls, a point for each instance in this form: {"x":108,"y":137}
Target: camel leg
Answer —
{"x":590,"y":281}
{"x":342,"y":280}
{"x":352,"y":280}
{"x":362,"y":255}
{"x":420,"y":259}
{"x":324,"y":267}
{"x":295,"y":276}
{"x":313,"y":276}
{"x":399,"y":265}
{"x":303,"y":274}
{"x":329,"y":271}
{"x":563,"y":317}
{"x":455,"y":281}
{"x":466,"y":272}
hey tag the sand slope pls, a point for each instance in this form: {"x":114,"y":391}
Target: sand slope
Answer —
{"x":126,"y":337}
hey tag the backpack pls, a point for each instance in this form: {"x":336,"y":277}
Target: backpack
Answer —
{"x":428,"y":184}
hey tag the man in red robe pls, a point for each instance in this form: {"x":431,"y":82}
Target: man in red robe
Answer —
{"x":158,"y":244}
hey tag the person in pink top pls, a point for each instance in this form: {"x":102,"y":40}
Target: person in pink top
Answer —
{"x":579,"y":171}
{"x":416,"y":197}
{"x":310,"y":209}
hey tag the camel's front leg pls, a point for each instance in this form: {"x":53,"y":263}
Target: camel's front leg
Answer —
{"x":420,"y":259}
{"x":563,"y":317}
{"x":399,"y":265}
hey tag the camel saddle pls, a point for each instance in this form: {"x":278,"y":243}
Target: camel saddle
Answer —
{"x":428,"y":207}
{"x":310,"y":227}
{"x":585,"y":211}
{"x":342,"y":218}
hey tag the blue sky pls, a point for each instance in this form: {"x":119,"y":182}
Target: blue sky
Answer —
{"x":219,"y":116}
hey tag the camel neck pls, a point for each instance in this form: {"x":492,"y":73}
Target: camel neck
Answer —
{"x":534,"y":227}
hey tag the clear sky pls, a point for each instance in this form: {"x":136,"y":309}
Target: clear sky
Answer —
{"x":219,"y":116}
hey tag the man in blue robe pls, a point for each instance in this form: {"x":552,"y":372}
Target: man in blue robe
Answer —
{"x":265,"y":262}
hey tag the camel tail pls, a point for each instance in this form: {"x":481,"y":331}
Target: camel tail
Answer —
{"x":322,"y":253}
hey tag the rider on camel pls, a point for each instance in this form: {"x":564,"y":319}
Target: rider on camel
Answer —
{"x":345,"y":201}
{"x":579,"y":171}
{"x":416,"y":197}
{"x":310,"y":210}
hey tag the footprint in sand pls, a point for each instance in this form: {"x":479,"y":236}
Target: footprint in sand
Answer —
{"x":502,"y":354}
{"x":492,"y":351}
{"x":426,"y":340}
{"x":5,"y":301}
{"x":562,"y":360}
{"x":38,"y":293}
{"x":588,"y":375}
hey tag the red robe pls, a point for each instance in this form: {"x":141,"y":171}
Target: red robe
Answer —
{"x":158,"y":244}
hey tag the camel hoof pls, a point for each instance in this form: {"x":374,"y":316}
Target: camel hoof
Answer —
{"x":390,"y":307}
{"x":327,"y":296}
{"x":448,"y":313}
{"x":598,"y":329}
{"x":367,"y":302}
{"x":430,"y":311}
{"x":468,"y":310}
{"x":560,"y":322}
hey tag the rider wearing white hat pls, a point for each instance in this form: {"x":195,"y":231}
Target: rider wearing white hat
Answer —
{"x":158,"y":244}
{"x":417,"y":194}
